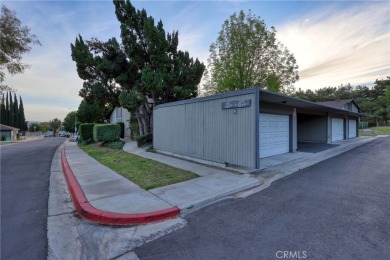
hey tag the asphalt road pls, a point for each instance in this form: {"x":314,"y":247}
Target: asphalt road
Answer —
{"x":25,"y":171}
{"x":337,"y":209}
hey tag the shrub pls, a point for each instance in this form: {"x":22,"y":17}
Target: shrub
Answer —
{"x":106,"y":132}
{"x":144,"y":139}
{"x":114,"y":145}
{"x":122,"y":125}
{"x":88,"y":141}
{"x":86,"y":131}
{"x":134,"y":130}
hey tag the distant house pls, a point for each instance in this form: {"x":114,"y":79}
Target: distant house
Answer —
{"x":120,"y":114}
{"x":8,"y":132}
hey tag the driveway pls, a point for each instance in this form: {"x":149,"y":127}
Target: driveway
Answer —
{"x":336,"y":209}
{"x":25,"y":171}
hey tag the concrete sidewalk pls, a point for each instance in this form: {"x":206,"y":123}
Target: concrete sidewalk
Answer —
{"x":103,"y":196}
{"x":108,"y":193}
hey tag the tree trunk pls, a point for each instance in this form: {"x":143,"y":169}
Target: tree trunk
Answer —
{"x":144,"y":118}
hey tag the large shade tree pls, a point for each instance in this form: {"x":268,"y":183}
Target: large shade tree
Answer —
{"x":92,"y":113}
{"x":69,"y":121}
{"x":163,"y":73}
{"x":15,"y":41}
{"x":246,"y":54}
{"x":146,"y":69}
{"x":98,"y":65}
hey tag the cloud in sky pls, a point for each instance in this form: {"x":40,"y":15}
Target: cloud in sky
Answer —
{"x":337,"y":46}
{"x":49,"y":88}
{"x":334,"y":43}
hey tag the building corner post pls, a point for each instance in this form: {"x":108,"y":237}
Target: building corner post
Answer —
{"x":257,"y":128}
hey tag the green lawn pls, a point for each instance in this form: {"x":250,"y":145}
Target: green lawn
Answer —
{"x":146,"y":173}
{"x":380,"y":130}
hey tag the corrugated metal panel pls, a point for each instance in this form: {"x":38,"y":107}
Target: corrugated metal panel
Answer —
{"x":194,"y":129}
{"x":205,"y":130}
{"x":169,"y":129}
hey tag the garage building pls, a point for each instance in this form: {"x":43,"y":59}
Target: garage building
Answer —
{"x":240,"y":127}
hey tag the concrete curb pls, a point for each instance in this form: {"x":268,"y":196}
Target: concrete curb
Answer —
{"x":86,"y":210}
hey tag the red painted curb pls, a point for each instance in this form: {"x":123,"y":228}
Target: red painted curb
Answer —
{"x":86,"y":210}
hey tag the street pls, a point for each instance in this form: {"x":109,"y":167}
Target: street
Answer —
{"x":25,"y":171}
{"x":336,"y":209}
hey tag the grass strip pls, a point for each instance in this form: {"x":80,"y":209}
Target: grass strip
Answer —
{"x":380,"y":130}
{"x":146,"y":173}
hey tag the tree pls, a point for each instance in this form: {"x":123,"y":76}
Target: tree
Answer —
{"x":247,"y":54}
{"x":6,"y":110}
{"x":69,"y":121}
{"x":98,"y":64}
{"x":55,"y":124}
{"x":381,"y":105}
{"x":15,"y":41}
{"x":22,"y":117}
{"x":146,"y":69}
{"x":16,"y":112}
{"x":34,"y":127}
{"x":92,"y":113}
{"x":12,"y":114}
{"x":162,"y":72}
{"x":3,"y":111}
{"x":44,"y":127}
{"x":11,"y":111}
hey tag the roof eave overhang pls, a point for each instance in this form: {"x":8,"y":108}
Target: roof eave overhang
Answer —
{"x":279,"y":99}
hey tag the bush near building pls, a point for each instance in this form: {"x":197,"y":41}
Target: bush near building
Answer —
{"x":106,"y":132}
{"x":122,"y":125}
{"x":86,"y":131}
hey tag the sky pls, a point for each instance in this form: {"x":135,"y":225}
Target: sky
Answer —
{"x":334,"y":42}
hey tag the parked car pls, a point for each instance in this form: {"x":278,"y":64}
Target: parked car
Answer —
{"x":64,"y":134}
{"x":49,"y":134}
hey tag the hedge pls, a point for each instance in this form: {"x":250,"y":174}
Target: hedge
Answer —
{"x":86,"y":131}
{"x":122,"y":125}
{"x":106,"y":132}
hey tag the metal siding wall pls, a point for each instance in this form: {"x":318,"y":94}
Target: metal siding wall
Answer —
{"x":194,"y":129}
{"x":207,"y":131}
{"x":158,"y":123}
{"x":169,"y":129}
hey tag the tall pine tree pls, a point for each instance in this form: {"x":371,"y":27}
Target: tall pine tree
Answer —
{"x":22,"y":118}
{"x":11,"y":110}
{"x":6,"y":122}
{"x":16,"y":112}
{"x":3,"y":111}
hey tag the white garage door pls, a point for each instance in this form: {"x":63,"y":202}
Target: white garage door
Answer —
{"x":352,"y":128}
{"x":337,"y":129}
{"x":274,"y":134}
